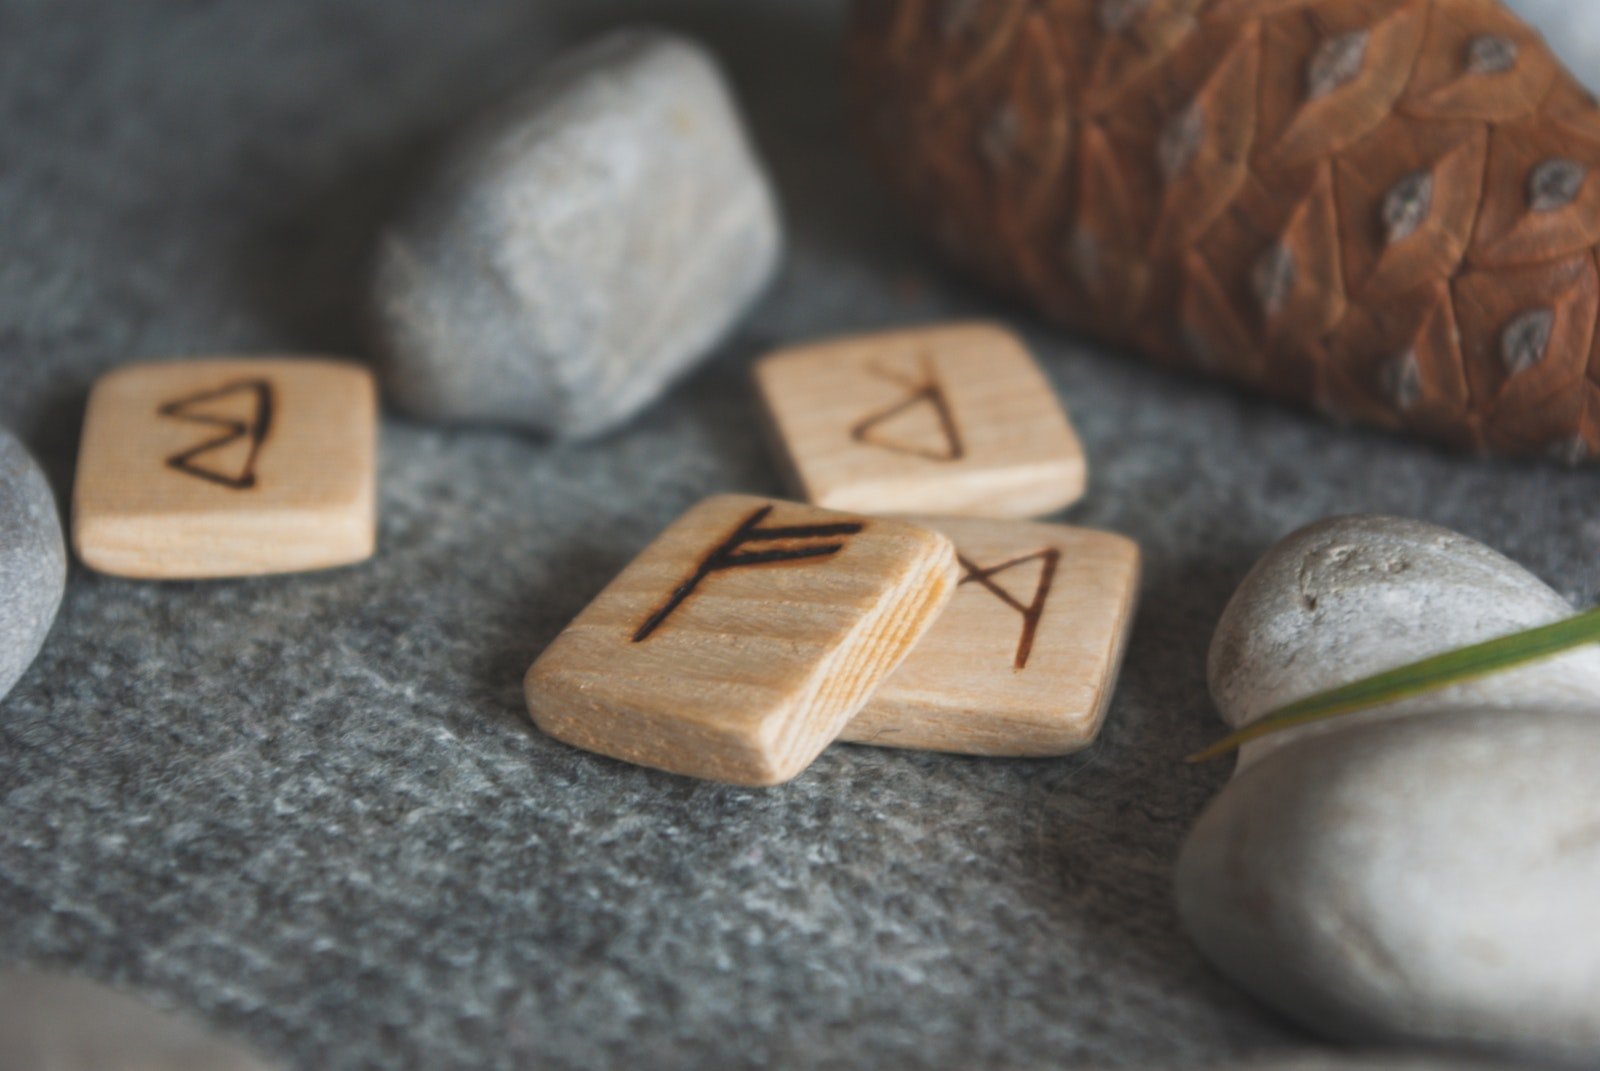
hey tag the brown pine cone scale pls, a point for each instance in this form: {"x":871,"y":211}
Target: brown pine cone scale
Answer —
{"x":1389,"y":209}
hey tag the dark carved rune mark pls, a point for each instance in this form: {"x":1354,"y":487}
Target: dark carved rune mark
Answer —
{"x":923,"y":394}
{"x":729,"y":555}
{"x":1033,"y":610}
{"x":251,"y":430}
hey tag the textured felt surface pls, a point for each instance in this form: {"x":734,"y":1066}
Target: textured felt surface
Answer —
{"x":311,"y":809}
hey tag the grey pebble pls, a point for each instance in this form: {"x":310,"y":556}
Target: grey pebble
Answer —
{"x":1352,"y":596}
{"x":579,"y":248}
{"x":1426,"y":872}
{"x":52,"y":1022}
{"x":33,"y":560}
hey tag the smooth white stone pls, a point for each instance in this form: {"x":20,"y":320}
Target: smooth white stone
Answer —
{"x":1435,"y":879}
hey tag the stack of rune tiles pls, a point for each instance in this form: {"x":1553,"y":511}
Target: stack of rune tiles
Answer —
{"x":909,"y":603}
{"x":906,"y":601}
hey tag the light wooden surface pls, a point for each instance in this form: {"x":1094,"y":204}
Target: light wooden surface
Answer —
{"x":227,"y":467}
{"x":953,"y":420}
{"x":740,"y":642}
{"x":1024,"y":660}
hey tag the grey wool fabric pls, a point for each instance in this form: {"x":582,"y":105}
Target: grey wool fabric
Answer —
{"x":310,"y":812}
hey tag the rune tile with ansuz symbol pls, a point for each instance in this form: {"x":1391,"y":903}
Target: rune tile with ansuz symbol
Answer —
{"x":1025,"y":658}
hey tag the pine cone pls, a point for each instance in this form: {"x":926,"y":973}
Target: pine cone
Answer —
{"x":1387,"y":208}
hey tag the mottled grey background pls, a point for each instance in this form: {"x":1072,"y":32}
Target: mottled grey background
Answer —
{"x":311,"y":809}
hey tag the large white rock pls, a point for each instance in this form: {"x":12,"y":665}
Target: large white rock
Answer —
{"x":1427,"y":873}
{"x":580,"y":247}
{"x":1434,"y":878}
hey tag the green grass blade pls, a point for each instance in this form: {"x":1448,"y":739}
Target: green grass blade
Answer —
{"x":1418,"y":678}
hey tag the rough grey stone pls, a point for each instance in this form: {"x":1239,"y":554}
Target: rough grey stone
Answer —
{"x":311,"y":809}
{"x":1352,"y":596}
{"x":581,"y":247}
{"x":33,"y":560}
{"x":1428,"y":879}
{"x":56,"y":1023}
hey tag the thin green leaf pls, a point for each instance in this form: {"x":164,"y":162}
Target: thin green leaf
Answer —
{"x":1418,"y":678}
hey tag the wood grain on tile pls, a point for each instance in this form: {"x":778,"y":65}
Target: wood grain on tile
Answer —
{"x":227,"y":467}
{"x":953,"y":420}
{"x":740,"y":642}
{"x":1024,"y":660}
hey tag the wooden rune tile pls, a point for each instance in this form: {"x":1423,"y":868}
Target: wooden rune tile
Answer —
{"x":951,"y":420}
{"x":227,"y":467}
{"x":739,"y":643}
{"x":1024,"y":660}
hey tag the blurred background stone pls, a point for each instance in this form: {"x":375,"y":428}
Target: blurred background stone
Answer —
{"x":56,"y":1023}
{"x":579,"y":247}
{"x":1573,"y":30}
{"x":33,"y":560}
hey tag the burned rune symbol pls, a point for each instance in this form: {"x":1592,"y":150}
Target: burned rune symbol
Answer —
{"x":895,"y":428}
{"x":729,"y":555}
{"x":1031,"y":613}
{"x":204,"y":408}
